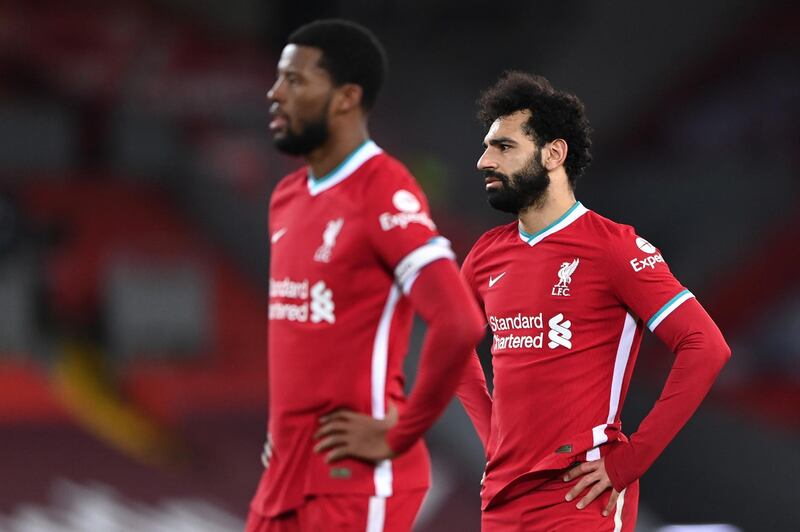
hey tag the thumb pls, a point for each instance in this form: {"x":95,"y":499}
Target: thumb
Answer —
{"x":392,"y":415}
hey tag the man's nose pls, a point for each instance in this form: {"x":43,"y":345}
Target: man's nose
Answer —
{"x":274,"y":93}
{"x":486,"y":162}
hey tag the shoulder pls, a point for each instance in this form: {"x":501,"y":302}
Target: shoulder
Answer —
{"x":388,"y":187}
{"x":606,"y":234}
{"x":495,"y":233}
{"x":386,"y":175}
{"x":388,"y":164}
{"x":605,"y":229}
{"x":487,"y":240}
{"x":619,"y":242}
{"x":289,"y":185}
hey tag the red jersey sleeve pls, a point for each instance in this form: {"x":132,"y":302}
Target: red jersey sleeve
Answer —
{"x":472,"y":391}
{"x":403,"y":235}
{"x":448,"y":341}
{"x":700,"y":353}
{"x":468,"y":274}
{"x":644,"y":283}
{"x":642,"y":280}
{"x":401,"y":230}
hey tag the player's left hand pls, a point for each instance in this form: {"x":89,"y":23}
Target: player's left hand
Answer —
{"x":355,"y":435}
{"x":594,"y":475}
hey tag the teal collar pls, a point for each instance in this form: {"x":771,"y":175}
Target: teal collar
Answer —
{"x":574,"y":212}
{"x":367,"y":150}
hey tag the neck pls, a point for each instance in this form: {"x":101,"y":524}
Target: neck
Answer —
{"x":339,"y":145}
{"x":555,"y":203}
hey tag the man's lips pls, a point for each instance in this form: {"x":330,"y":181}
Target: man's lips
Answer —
{"x":279,"y":118}
{"x":278,"y":122}
{"x":493,"y":182}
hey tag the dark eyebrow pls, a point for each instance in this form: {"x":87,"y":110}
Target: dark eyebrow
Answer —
{"x":289,"y":70}
{"x":501,"y":140}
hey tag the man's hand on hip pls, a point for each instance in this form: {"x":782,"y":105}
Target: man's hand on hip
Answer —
{"x":354,"y":435}
{"x":595,"y":476}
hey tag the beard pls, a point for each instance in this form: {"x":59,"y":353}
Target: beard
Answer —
{"x":522,"y":190}
{"x":313,"y":134}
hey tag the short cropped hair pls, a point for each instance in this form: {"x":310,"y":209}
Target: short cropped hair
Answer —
{"x":350,"y":54}
{"x":554,"y":115}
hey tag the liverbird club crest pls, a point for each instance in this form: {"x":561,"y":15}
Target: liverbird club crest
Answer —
{"x":561,"y":288}
{"x":323,"y":253}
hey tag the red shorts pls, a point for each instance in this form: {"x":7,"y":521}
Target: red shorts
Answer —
{"x":344,"y":513}
{"x":545,"y":510}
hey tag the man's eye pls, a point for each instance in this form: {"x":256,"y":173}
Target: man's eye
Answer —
{"x":504,"y":147}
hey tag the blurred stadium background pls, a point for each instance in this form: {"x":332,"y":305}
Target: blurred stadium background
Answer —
{"x":135,"y":169}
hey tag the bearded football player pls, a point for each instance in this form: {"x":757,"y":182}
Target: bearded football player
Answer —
{"x":567,"y":295}
{"x":354,"y":253}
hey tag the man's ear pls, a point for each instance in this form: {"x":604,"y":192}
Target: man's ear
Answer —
{"x":554,"y":154}
{"x":346,"y":98}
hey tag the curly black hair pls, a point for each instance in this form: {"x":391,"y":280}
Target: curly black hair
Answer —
{"x":350,"y":53}
{"x":554,"y":115}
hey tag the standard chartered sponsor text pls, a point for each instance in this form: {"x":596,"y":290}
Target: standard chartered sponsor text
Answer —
{"x":315,"y":302}
{"x":288,"y":288}
{"x":527,"y":331}
{"x":289,"y":312}
{"x":517,"y":341}
{"x":519,"y":321}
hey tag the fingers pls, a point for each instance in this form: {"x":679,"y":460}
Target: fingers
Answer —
{"x":580,"y":469}
{"x":330,"y":442}
{"x":612,"y":502}
{"x":266,"y":453}
{"x":598,"y":486}
{"x":392,"y":414}
{"x":340,"y":415}
{"x":592,"y":478}
{"x":330,"y":427}
{"x":346,"y":433}
{"x":594,"y":493}
{"x":582,"y":484}
{"x":338,"y":441}
{"x":338,"y":453}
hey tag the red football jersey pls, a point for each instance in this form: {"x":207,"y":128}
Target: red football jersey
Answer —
{"x":345,"y":249}
{"x":566,"y":307}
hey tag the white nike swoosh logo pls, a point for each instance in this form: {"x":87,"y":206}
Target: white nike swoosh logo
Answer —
{"x":494,"y":280}
{"x":278,"y":234}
